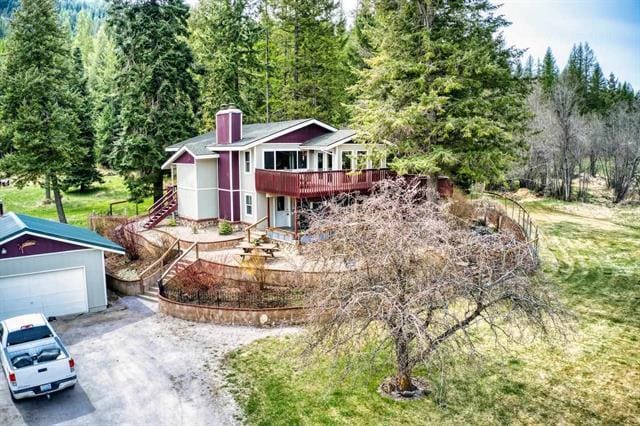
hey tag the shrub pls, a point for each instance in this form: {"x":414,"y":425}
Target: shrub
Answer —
{"x":125,"y":236}
{"x":224,"y":228}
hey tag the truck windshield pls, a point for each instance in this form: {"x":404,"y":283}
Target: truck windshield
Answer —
{"x":28,"y":335}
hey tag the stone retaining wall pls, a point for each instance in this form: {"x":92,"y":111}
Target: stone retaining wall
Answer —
{"x":233,"y":316}
{"x":133,"y":287}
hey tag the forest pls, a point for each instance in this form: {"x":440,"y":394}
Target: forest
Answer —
{"x":433,"y":85}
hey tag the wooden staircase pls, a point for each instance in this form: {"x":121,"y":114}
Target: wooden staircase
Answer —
{"x":162,"y":208}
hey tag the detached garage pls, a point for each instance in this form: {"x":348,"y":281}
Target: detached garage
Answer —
{"x":51,"y":267}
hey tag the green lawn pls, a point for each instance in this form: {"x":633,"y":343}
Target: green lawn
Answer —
{"x":592,"y":253}
{"x":77,"y":206}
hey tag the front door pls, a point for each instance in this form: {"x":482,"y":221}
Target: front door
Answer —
{"x":283,"y":214}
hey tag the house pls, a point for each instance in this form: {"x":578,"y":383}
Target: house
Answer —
{"x":50,"y":267}
{"x":266,"y":172}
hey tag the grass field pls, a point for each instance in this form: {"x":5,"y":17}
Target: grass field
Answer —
{"x":591,"y":252}
{"x":77,"y":206}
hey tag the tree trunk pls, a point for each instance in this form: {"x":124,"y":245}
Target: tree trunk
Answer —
{"x":157,"y":187}
{"x":403,"y":366}
{"x":57,"y":197}
{"x":47,"y":190}
{"x":593,"y":163}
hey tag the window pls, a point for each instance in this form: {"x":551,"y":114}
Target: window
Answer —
{"x":269,"y":160}
{"x":248,"y":205}
{"x":247,"y":162}
{"x":302,"y":159}
{"x":361,"y":160}
{"x":329,"y":161}
{"x":320,"y":162}
{"x":346,"y":160}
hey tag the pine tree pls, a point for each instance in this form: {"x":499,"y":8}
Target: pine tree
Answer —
{"x":548,"y":73}
{"x":440,"y":91}
{"x":102,"y":86}
{"x":308,"y":48}
{"x":155,"y":88}
{"x":37,"y":101}
{"x":529,"y":68}
{"x":223,"y":39}
{"x":83,"y":39}
{"x":82,"y":171}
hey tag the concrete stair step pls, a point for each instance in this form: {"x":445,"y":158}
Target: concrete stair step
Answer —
{"x":148,"y":297}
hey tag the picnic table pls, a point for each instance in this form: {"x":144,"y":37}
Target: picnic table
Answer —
{"x":266,"y":249}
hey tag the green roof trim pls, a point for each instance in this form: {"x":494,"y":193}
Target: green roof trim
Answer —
{"x":13,"y":224}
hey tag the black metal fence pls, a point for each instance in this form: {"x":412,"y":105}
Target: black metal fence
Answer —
{"x":233,"y":298}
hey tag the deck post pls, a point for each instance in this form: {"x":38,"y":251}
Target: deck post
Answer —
{"x":268,"y":212}
{"x":295,"y":218}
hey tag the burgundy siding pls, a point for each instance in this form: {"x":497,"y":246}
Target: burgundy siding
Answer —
{"x":236,"y":126}
{"x":223,"y":170}
{"x":224,"y":204}
{"x":236,"y":206}
{"x":185,"y":158}
{"x":222,"y":128}
{"x":236,"y":170}
{"x":301,"y":135}
{"x":42,"y":246}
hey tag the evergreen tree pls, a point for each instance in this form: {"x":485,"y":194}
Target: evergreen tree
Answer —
{"x":529,"y":70}
{"x":37,"y":101}
{"x":308,"y":47}
{"x":548,"y":73}
{"x":102,"y":85}
{"x":82,"y":171}
{"x":155,"y":88}
{"x":360,"y":46}
{"x":596,"y":92}
{"x":223,"y":39}
{"x":440,"y":91}
{"x":84,"y":35}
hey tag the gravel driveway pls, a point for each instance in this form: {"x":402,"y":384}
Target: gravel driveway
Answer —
{"x":138,"y":367}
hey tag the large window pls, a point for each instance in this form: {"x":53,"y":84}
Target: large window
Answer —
{"x":285,"y":160}
{"x":248,"y":205}
{"x":346,"y":160}
{"x":320,"y":163}
{"x":247,"y":161}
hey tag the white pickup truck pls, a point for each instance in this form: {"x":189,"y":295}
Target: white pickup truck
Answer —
{"x":33,"y":358}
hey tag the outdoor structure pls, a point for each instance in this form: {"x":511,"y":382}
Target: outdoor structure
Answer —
{"x":249,"y":173}
{"x":50,"y":267}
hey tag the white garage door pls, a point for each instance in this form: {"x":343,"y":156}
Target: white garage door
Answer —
{"x":52,"y":293}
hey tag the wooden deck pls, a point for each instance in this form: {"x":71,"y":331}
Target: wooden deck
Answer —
{"x":318,"y":184}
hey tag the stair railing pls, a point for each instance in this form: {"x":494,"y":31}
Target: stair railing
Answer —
{"x":174,"y":263}
{"x":253,"y":226}
{"x":161,"y":259}
{"x":169,"y":196}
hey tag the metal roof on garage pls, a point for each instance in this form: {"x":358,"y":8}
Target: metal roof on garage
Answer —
{"x":14,"y":225}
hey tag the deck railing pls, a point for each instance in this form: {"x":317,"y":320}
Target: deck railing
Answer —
{"x":318,"y":184}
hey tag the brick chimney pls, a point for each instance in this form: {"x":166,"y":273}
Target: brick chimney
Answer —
{"x":228,"y":124}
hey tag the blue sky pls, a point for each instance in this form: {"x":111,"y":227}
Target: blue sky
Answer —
{"x":611,"y":27}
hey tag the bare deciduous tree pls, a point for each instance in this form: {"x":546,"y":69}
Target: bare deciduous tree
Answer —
{"x":621,"y":148}
{"x":419,"y":277}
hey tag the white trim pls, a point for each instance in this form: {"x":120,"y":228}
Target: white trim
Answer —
{"x":37,"y":234}
{"x":253,"y":204}
{"x":181,"y":151}
{"x":227,"y":111}
{"x":332,"y":146}
{"x":264,"y":151}
{"x":84,"y":273}
{"x":273,"y":136}
{"x":104,"y":283}
{"x":187,"y":188}
{"x":230,"y":185}
{"x":45,"y":254}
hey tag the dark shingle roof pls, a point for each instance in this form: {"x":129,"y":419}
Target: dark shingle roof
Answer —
{"x":329,"y":139}
{"x":13,"y":224}
{"x":200,"y":145}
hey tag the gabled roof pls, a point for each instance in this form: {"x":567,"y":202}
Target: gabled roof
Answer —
{"x":13,"y":225}
{"x":330,"y":140}
{"x":252,"y":134}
